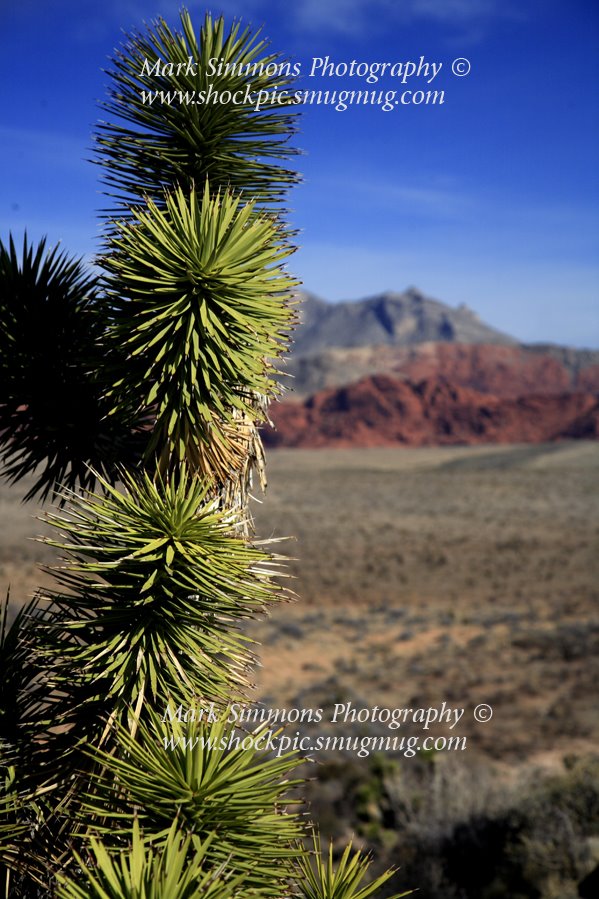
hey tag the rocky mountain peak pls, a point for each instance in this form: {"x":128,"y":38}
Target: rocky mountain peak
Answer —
{"x":388,"y":318}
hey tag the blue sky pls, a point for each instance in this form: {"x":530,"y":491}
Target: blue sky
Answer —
{"x":490,"y":199}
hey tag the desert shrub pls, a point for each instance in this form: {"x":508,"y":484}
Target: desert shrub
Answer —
{"x":460,"y":832}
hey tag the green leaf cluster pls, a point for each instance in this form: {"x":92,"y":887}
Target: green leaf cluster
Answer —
{"x":201,"y":303}
{"x":214,"y":782}
{"x":155,"y":581}
{"x":320,"y":878}
{"x":148,"y":148}
{"x":53,"y":374}
{"x":144,"y":872}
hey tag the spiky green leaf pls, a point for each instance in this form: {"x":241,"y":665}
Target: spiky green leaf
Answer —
{"x":156,"y":141}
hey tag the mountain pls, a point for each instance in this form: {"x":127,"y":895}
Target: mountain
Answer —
{"x":393,"y":319}
{"x":384,"y":411}
{"x":412,"y":336}
{"x":404,"y":369}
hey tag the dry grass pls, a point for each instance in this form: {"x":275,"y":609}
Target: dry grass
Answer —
{"x":464,"y":574}
{"x":20,"y":555}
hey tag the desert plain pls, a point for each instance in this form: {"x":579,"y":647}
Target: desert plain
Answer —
{"x":467,"y":575}
{"x":457,"y":574}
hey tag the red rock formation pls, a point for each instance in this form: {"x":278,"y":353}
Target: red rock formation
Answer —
{"x":501,"y":370}
{"x":588,"y":378}
{"x":508,"y":371}
{"x":384,"y":411}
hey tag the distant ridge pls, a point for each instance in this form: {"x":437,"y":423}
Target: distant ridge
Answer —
{"x":395,"y":319}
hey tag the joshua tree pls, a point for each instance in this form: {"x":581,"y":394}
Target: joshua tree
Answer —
{"x":135,"y":395}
